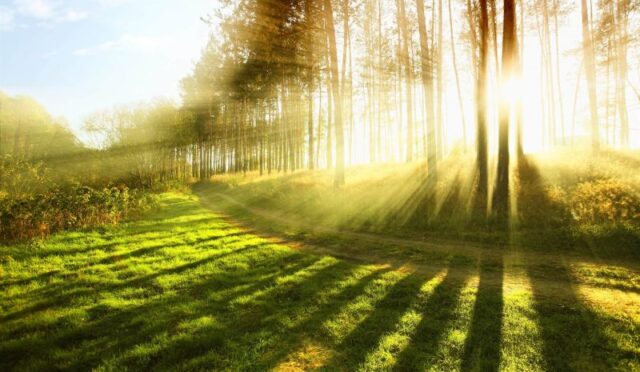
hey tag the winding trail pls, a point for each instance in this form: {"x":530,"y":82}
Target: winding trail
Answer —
{"x":461,"y":248}
{"x":554,"y":276}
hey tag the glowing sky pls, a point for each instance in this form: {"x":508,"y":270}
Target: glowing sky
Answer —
{"x":78,"y":56}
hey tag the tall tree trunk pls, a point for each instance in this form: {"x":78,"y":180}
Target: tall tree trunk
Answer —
{"x":345,"y":50}
{"x":440,"y":93}
{"x":509,"y":57}
{"x":427,"y":84}
{"x":379,"y":84}
{"x":310,"y":79}
{"x":335,"y":82}
{"x":518,"y":113}
{"x":590,"y":72}
{"x":546,"y":46}
{"x":481,"y":105}
{"x":558,"y":83}
{"x":330,"y":109}
{"x":351,"y":123}
{"x":621,"y":96}
{"x":320,"y":134}
{"x":368,"y":80}
{"x":455,"y":70}
{"x":406,"y":62}
{"x":493,"y":23}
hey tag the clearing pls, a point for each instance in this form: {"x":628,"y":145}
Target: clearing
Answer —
{"x":209,"y":282}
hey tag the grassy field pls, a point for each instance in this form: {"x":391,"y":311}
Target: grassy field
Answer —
{"x":562,"y":202}
{"x":188,"y":289}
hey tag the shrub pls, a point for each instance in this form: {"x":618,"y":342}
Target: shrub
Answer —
{"x":170,"y":185}
{"x":20,"y":177}
{"x":606,"y":201}
{"x":37,"y":215}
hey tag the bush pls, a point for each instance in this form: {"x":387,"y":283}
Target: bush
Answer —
{"x":170,"y":185}
{"x":19,"y":177}
{"x":542,"y":206}
{"x":608,"y":201}
{"x":37,"y":215}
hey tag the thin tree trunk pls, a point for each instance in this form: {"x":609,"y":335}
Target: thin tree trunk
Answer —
{"x":481,"y":104}
{"x":590,"y":72}
{"x":559,"y":85}
{"x":310,"y":80}
{"x":335,"y":82}
{"x":427,"y":84}
{"x":455,"y":70}
{"x":406,"y":62}
{"x":519,"y":67}
{"x":621,"y":97}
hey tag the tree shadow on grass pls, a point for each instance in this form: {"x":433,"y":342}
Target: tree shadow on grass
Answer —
{"x":354,"y":348}
{"x":437,"y":314}
{"x":292,"y":338}
{"x":123,"y":256}
{"x":249,"y":327}
{"x":574,"y":336}
{"x":62,"y":294}
{"x":537,"y":211}
{"x":109,"y":331}
{"x":484,"y":339}
{"x":42,"y":276}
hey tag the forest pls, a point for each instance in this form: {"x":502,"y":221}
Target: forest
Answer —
{"x":341,"y":185}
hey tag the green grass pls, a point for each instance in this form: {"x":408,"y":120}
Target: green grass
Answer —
{"x":185,"y":289}
{"x":562,"y":202}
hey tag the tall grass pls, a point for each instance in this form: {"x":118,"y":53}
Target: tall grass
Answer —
{"x":560,"y":201}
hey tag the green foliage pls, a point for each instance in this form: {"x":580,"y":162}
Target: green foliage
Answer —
{"x":608,"y":201}
{"x":37,"y":215}
{"x":27,"y":131}
{"x":141,"y":144}
{"x":49,"y":182}
{"x":591,"y":207}
{"x":183,"y":289}
{"x":21,"y":177}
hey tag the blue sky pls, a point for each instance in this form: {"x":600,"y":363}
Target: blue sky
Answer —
{"x":79,"y":56}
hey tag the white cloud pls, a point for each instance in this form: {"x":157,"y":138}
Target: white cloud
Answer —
{"x":6,"y":18}
{"x":45,"y":12}
{"x":125,"y":42}
{"x":40,"y":9}
{"x":71,"y":15}
{"x":112,"y":2}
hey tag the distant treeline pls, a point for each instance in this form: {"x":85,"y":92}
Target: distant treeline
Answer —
{"x":50,"y":181}
{"x":286,"y":85}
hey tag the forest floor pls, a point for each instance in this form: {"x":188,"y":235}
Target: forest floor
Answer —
{"x":212,"y":282}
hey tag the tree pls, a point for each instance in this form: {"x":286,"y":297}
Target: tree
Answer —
{"x":509,"y":68}
{"x":621,"y":80}
{"x":337,"y":98}
{"x":457,"y":76}
{"x":408,"y":70}
{"x":590,"y":75}
{"x":308,"y":14}
{"x":481,"y":104}
{"x":427,"y":84}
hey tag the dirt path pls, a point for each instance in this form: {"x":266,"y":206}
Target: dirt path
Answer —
{"x":470,"y":249}
{"x":514,"y":269}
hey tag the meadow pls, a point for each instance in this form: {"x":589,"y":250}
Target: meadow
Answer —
{"x":562,"y":202}
{"x":188,"y":287}
{"x":265,"y":185}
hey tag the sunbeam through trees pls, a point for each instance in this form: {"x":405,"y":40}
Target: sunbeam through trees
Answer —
{"x":336,"y":185}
